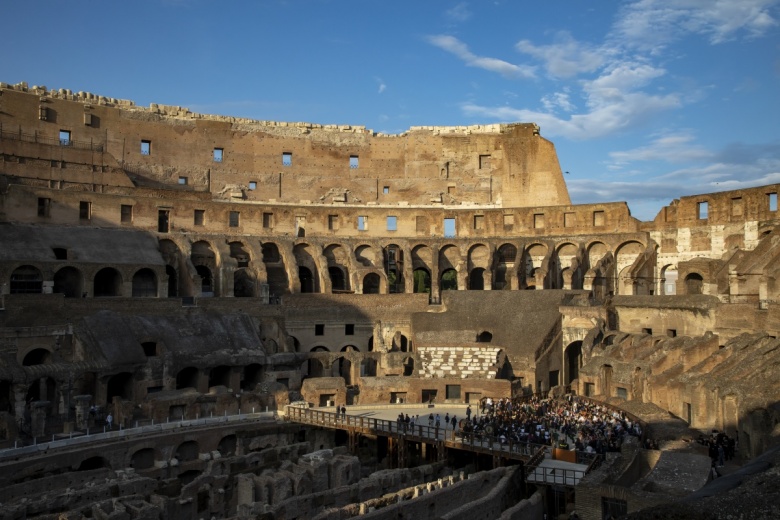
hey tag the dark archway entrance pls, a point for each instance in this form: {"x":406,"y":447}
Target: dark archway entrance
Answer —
{"x":573,"y":361}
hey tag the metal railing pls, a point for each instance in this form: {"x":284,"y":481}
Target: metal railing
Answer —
{"x":50,"y":141}
{"x":93,"y":435}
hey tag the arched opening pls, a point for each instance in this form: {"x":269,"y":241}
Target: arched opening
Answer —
{"x":408,"y":366}
{"x":108,"y":282}
{"x":573,"y":361}
{"x":669,"y":280}
{"x":275,"y":271}
{"x":142,"y":459}
{"x":345,"y":370}
{"x":26,"y":280}
{"x":243,"y":283}
{"x":187,"y":378}
{"x":173,"y":281}
{"x":120,"y":385}
{"x":484,"y":337}
{"x":43,"y":389}
{"x":252,"y":375}
{"x":477,"y":279}
{"x":449,"y":280}
{"x":68,"y":281}
{"x":400,"y":343}
{"x":239,"y":252}
{"x":394,"y":269}
{"x":307,"y":279}
{"x":337,"y":281}
{"x":144,"y":284}
{"x":187,"y":451}
{"x":227,"y":446}
{"x":219,"y":376}
{"x":606,"y":380}
{"x":6,"y":397}
{"x":38,"y":356}
{"x":92,"y":463}
{"x":422,"y":281}
{"x":206,"y":280}
{"x":371,"y":344}
{"x":371,"y":283}
{"x":694,"y":283}
{"x":316,"y":368}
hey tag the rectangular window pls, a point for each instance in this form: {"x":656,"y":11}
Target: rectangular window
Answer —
{"x":252,"y":185}
{"x":736,"y":207}
{"x":268,"y":220}
{"x":183,"y":181}
{"x":484,"y":162}
{"x":87,"y":119}
{"x":199,"y":217}
{"x":569,"y":219}
{"x":647,"y":331}
{"x":146,"y":147}
{"x":349,"y":329}
{"x":449,"y":228}
{"x":509,"y":222}
{"x":85,"y":210}
{"x":771,"y":199}
{"x":362,"y":223}
{"x":590,"y":389}
{"x":333,"y":222}
{"x":672,"y":333}
{"x":622,"y":393}
{"x":319,"y":329}
{"x":703,"y":209}
{"x":234,"y":219}
{"x":353,"y":162}
{"x":65,"y":138}
{"x":538,"y":220}
{"x":421,"y":224}
{"x":217,"y":154}
{"x":452,"y":391}
{"x":479,"y":222}
{"x":392,"y":223}
{"x":162,"y":220}
{"x":44,"y":206}
{"x":126,"y":213}
{"x":386,"y":190}
{"x":287,"y":159}
{"x":598,"y":218}
{"x":553,"y":377}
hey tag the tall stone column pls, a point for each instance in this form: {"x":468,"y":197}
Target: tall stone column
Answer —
{"x":39,"y":410}
{"x":82,"y":411}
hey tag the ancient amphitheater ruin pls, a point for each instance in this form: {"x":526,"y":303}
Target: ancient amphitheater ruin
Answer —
{"x":185,"y":297}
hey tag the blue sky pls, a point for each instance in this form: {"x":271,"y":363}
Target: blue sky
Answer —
{"x":645,"y":100}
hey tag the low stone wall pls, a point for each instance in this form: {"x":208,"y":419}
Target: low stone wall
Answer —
{"x":464,"y":362}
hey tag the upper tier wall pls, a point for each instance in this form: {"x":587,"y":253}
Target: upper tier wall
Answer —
{"x":503,"y":165}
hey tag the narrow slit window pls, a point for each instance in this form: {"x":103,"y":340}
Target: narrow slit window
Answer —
{"x":85,"y":210}
{"x":772,"y":200}
{"x":449,"y":227}
{"x":234,"y":219}
{"x":199,"y":217}
{"x":126,"y":213}
{"x":362,"y":223}
{"x":44,"y":206}
{"x":392,"y":223}
{"x":703,"y":209}
{"x":268,"y":220}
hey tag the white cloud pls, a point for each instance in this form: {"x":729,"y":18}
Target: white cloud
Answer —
{"x":566,"y":57}
{"x":557,"y":100}
{"x":461,"y":50}
{"x":651,"y":24}
{"x":458,"y":13}
{"x":381,"y":85}
{"x":672,"y":148}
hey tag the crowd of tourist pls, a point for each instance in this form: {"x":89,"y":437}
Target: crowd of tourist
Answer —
{"x":560,"y":422}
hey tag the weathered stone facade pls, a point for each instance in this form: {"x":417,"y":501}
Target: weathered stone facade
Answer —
{"x":164,"y":265}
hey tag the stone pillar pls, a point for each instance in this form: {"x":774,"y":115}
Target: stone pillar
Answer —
{"x":82,"y":411}
{"x":39,"y":410}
